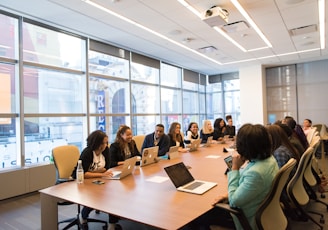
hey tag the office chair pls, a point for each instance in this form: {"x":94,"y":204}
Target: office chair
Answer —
{"x":312,"y":133}
{"x":270,"y":214}
{"x":296,"y":190}
{"x":311,"y":178}
{"x":139,"y":139}
{"x":65,"y":159}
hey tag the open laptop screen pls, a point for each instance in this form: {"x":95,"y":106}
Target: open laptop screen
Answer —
{"x":179,"y":174}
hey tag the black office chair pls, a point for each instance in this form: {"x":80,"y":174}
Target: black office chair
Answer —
{"x":270,"y":214}
{"x":65,"y":159}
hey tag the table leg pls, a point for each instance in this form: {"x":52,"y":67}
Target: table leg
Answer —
{"x":49,"y":212}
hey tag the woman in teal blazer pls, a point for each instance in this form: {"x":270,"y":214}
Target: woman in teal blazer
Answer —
{"x":247,"y":187}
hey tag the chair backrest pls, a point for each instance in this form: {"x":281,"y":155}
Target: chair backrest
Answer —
{"x":295,"y":188}
{"x":139,"y":139}
{"x":308,"y":173}
{"x":65,"y":159}
{"x":323,"y":132}
{"x":311,"y":134}
{"x":318,"y":126}
{"x":315,"y":139}
{"x":270,"y":214}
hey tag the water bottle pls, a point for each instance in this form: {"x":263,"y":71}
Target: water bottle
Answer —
{"x":79,"y":173}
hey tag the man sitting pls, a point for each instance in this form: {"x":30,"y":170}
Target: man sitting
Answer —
{"x":157,"y":138}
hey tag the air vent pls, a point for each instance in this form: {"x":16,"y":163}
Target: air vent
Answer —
{"x":207,"y":49}
{"x":303,"y":30}
{"x":235,"y":27}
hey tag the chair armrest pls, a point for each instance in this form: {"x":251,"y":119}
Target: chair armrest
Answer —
{"x":235,"y":212}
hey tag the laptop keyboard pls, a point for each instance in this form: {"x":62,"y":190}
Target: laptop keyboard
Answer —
{"x":193,"y":185}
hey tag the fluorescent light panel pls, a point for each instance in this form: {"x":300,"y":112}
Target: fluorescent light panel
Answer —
{"x":251,"y":22}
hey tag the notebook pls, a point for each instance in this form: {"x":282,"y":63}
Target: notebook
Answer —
{"x":185,"y":182}
{"x":173,"y":152}
{"x":127,"y":169}
{"x":208,"y":142}
{"x":194,"y":145}
{"x":149,"y":156}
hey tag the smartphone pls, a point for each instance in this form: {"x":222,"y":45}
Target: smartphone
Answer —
{"x":98,"y":182}
{"x":228,"y":161}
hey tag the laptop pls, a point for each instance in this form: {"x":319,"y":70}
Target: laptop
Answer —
{"x":127,"y":169}
{"x":173,"y":152}
{"x":185,"y":182}
{"x":194,"y":145}
{"x":208,"y":142}
{"x":149,"y":156}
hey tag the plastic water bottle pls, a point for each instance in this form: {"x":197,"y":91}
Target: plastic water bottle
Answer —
{"x":79,"y":173}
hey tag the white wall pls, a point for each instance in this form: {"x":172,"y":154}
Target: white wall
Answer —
{"x":252,"y":95}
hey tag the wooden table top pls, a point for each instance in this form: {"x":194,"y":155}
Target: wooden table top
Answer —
{"x":155,"y":204}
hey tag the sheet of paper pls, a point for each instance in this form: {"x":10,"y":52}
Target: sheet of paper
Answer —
{"x":158,"y":179}
{"x":213,"y":156}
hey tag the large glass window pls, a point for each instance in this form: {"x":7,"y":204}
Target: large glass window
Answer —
{"x":47,"y":91}
{"x":108,"y":96}
{"x":145,"y":124}
{"x":109,"y":65}
{"x":146,"y":98}
{"x":9,"y":37}
{"x":171,"y":100}
{"x":170,"y":75}
{"x":109,"y":124}
{"x":42,"y":134}
{"x":49,"y":47}
{"x":61,"y":96}
{"x":144,"y":73}
{"x":223,"y":97}
{"x":7,"y":89}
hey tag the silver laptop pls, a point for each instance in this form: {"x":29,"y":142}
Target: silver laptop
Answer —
{"x":208,"y":142}
{"x":173,"y":152}
{"x":149,"y":156}
{"x":194,"y":145}
{"x":127,"y":169}
{"x":185,"y":182}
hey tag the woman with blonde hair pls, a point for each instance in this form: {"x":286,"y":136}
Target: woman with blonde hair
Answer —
{"x":206,"y":131}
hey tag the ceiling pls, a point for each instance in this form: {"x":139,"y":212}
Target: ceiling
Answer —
{"x":183,"y":35}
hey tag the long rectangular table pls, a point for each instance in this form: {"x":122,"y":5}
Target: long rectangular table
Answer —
{"x":136,"y":198}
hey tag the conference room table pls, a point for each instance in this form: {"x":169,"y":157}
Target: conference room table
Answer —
{"x":147,"y":196}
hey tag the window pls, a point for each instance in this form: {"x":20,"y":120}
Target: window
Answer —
{"x":281,"y":92}
{"x":66,"y":94}
{"x":45,"y":46}
{"x":9,"y":37}
{"x":223,"y":97}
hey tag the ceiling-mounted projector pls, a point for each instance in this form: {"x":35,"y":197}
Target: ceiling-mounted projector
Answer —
{"x":215,"y":16}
